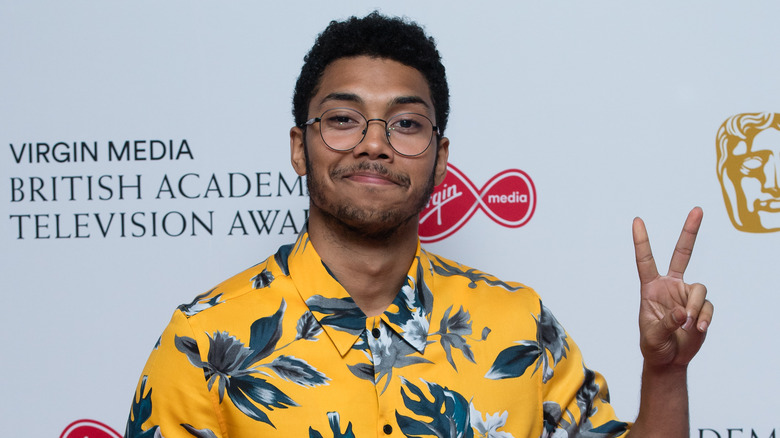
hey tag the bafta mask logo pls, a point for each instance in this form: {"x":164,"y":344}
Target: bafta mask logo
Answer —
{"x":749,"y":170}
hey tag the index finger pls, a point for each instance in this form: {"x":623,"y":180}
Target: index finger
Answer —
{"x":684,"y":247}
{"x":645,"y":263}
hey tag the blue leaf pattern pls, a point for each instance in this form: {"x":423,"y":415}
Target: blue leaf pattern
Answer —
{"x":513,"y":361}
{"x":556,"y":420}
{"x":550,"y":338}
{"x":390,"y":352}
{"x":263,"y":279}
{"x":447,"y":270}
{"x":200,"y":303}
{"x":342,"y":313}
{"x":231,"y":364}
{"x":199,"y":433}
{"x":449,"y":412}
{"x":297,"y":371}
{"x":335,"y":427}
{"x":453,"y":331}
{"x":139,"y":413}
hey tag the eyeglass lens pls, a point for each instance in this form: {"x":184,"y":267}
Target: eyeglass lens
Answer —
{"x":344,"y":128}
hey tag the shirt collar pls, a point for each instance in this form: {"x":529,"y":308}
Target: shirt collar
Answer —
{"x":409,"y":314}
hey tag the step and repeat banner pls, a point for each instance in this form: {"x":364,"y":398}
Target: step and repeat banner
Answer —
{"x":145,"y":157}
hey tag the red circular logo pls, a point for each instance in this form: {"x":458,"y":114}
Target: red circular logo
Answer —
{"x":89,"y":429}
{"x":509,"y":199}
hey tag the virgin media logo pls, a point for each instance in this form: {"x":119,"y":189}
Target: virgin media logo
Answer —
{"x":509,"y":198}
{"x":89,"y":429}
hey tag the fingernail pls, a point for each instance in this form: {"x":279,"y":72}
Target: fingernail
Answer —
{"x":688,"y":324}
{"x":703,"y":326}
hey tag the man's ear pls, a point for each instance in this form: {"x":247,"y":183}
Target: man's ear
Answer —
{"x":441,"y":163}
{"x":297,"y":153}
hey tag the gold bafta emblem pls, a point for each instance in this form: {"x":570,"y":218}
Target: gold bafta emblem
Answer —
{"x":749,"y":170}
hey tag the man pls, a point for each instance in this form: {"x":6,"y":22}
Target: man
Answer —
{"x":354,"y":330}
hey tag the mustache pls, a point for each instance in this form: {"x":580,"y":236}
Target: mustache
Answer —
{"x":378,"y":168}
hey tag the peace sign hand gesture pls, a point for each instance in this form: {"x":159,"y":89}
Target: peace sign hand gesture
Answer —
{"x":673,"y":315}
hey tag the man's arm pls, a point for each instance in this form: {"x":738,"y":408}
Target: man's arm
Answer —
{"x":673,"y":321}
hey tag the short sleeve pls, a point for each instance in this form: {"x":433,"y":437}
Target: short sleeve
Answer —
{"x":172,"y":398}
{"x":576,"y":399}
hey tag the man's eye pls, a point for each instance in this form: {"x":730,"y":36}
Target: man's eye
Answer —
{"x":405,"y":125}
{"x":341,"y":122}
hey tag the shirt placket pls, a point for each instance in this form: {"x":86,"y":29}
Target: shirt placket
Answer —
{"x":379,"y":336}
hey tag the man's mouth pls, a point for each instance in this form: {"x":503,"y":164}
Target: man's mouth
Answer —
{"x":371,"y":172}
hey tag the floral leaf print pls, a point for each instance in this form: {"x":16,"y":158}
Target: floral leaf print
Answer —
{"x":405,"y":303}
{"x":556,"y":420}
{"x":362,"y":370}
{"x":308,"y":328}
{"x":297,"y":371}
{"x":513,"y":361}
{"x":472,"y":274}
{"x":200,"y":303}
{"x":424,"y":293}
{"x":199,"y":433}
{"x":225,"y":358}
{"x":453,"y":331}
{"x":189,"y":347}
{"x":244,"y":388}
{"x":342,"y":313}
{"x":414,"y":301}
{"x":389,"y":352}
{"x":282,"y":257}
{"x":229,"y":364}
{"x":139,"y":413}
{"x":265,"y":333}
{"x":458,"y":324}
{"x":609,"y":429}
{"x":489,"y":427}
{"x":415,"y":331}
{"x":263,"y":279}
{"x":587,"y":393}
{"x":449,"y":412}
{"x":335,"y":427}
{"x":550,"y":338}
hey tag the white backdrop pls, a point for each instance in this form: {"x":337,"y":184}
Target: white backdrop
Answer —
{"x":611,"y":107}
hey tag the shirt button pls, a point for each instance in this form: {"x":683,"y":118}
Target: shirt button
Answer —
{"x":387,"y":429}
{"x":375,"y":333}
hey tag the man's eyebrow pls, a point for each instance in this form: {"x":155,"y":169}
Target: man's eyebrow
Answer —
{"x":401,"y":100}
{"x":348,"y":97}
{"x":351,"y":97}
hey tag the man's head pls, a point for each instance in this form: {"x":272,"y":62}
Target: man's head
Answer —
{"x":375,"y":36}
{"x":749,"y":170}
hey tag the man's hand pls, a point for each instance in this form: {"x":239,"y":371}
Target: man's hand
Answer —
{"x":674,"y":315}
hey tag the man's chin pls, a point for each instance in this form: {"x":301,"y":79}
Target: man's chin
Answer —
{"x":373,"y":225}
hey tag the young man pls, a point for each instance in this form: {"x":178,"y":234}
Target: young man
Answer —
{"x":354,"y":330}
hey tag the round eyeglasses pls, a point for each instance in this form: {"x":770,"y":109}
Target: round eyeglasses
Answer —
{"x":342,"y":129}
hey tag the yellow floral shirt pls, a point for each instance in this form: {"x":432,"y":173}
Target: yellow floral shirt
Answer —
{"x":281,"y":350}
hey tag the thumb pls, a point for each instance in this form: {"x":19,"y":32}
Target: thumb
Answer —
{"x":657,"y":344}
{"x":675,"y":319}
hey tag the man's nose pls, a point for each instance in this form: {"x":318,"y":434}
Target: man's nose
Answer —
{"x":376,"y":143}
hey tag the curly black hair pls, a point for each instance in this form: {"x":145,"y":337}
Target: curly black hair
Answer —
{"x":377,"y":36}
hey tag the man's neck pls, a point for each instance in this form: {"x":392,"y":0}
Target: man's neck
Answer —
{"x":372,"y":270}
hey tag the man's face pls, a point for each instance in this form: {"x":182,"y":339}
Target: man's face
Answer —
{"x":754,"y":170}
{"x":370,"y":189}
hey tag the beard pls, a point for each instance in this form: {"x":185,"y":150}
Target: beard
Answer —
{"x":366,"y":223}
